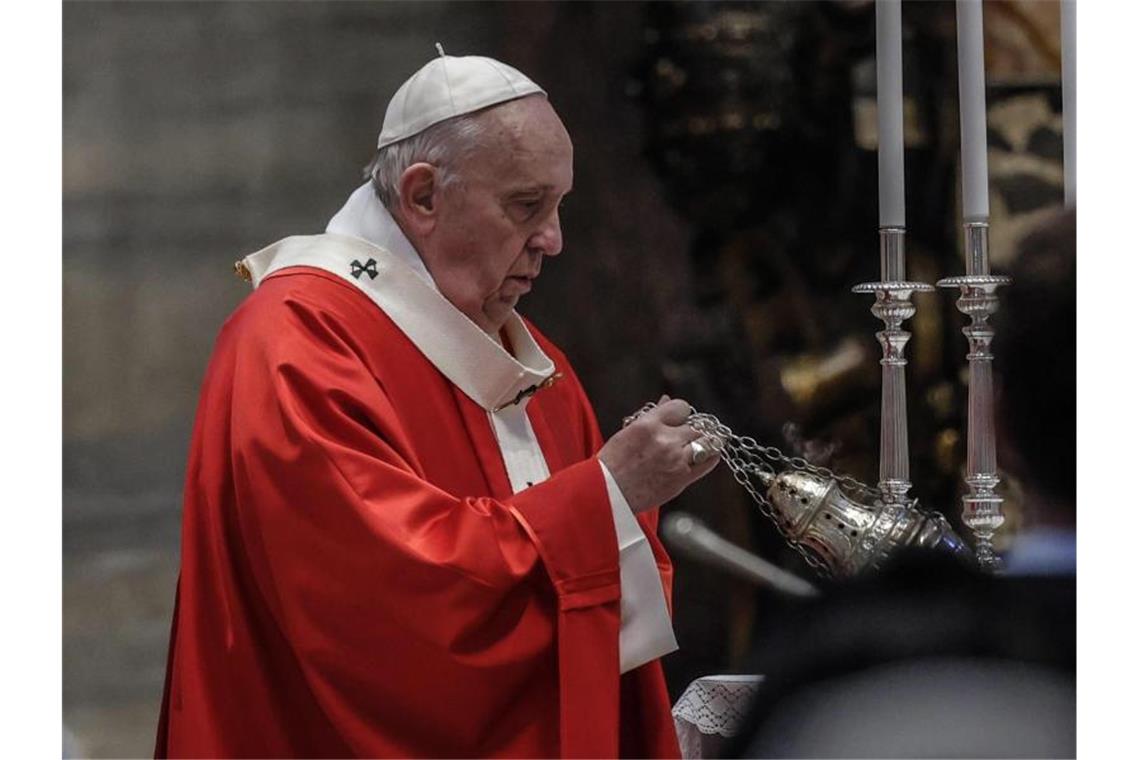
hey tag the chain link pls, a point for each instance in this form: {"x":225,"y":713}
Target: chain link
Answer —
{"x":746,"y":458}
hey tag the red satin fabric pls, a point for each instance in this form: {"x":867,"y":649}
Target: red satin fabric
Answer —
{"x":357,"y":577}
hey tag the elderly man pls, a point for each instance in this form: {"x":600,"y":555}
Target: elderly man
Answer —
{"x":403,"y":533}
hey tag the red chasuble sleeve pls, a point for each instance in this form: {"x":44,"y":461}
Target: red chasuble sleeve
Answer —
{"x":646,"y":711}
{"x":336,"y":599}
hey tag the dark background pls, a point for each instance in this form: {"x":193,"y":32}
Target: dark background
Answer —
{"x":724,"y":205}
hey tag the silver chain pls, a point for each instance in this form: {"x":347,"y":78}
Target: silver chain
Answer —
{"x":746,"y":458}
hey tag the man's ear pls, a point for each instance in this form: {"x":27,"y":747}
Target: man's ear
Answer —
{"x":419,"y":196}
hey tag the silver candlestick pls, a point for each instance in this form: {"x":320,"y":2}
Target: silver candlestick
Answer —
{"x":981,"y":506}
{"x":893,"y":307}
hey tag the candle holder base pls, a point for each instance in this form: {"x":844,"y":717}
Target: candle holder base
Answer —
{"x":893,"y":306}
{"x":981,"y":505}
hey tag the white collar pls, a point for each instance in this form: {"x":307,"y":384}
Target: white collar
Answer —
{"x":467,"y":356}
{"x":364,"y":216}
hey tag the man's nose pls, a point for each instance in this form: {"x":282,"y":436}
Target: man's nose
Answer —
{"x":548,"y":238}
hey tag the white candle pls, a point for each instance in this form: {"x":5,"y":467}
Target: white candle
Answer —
{"x":972,"y":110}
{"x":889,"y":100}
{"x":1069,"y":96}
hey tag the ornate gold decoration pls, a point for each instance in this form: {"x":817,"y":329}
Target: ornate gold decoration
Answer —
{"x":242,"y":271}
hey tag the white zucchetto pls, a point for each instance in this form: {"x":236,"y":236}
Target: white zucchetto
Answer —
{"x":450,"y":86}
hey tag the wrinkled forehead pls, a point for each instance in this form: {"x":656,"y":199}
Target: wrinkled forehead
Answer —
{"x":526,"y":141}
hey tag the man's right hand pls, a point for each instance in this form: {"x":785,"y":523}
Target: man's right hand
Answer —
{"x":651,"y":459}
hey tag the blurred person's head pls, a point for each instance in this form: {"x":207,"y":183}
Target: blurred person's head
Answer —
{"x":1035,"y":368}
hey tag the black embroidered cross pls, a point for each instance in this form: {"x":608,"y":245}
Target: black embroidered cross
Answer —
{"x":369,"y":267}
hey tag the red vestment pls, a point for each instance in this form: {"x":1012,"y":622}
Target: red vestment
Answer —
{"x":358,"y":578}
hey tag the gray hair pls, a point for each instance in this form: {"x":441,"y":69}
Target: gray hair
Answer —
{"x":444,"y":145}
